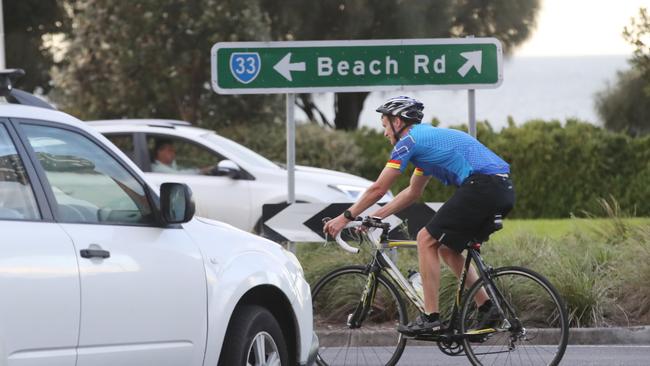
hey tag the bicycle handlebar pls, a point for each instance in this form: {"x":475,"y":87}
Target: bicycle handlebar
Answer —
{"x":369,"y":222}
{"x":342,"y":242}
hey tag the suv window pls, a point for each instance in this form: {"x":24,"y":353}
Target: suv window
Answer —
{"x":17,"y":199}
{"x":89,"y":185}
{"x":178,"y":156}
{"x":124,"y":143}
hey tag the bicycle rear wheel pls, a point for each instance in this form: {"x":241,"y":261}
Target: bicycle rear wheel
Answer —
{"x":538,"y":328}
{"x":335,"y":297}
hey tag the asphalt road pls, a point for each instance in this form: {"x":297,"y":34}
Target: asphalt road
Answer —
{"x":603,"y":355}
{"x":576,"y":355}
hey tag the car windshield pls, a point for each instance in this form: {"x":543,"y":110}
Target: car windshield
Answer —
{"x":243,"y":154}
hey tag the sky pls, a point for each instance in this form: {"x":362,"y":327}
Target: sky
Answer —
{"x":581,"y":28}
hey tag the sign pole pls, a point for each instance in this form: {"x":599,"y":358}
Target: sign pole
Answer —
{"x":471,"y":104}
{"x":2,"y":38}
{"x":291,"y":157}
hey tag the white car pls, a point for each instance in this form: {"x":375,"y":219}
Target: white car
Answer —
{"x":242,"y":181}
{"x":97,"y":268}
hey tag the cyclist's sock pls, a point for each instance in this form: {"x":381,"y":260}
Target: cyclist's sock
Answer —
{"x":486,"y":306}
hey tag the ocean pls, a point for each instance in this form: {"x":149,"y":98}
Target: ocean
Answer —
{"x":533,"y":88}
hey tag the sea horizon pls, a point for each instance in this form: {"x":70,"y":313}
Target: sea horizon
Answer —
{"x":533,"y":87}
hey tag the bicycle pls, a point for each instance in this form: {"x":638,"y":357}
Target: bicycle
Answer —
{"x":355,"y":304}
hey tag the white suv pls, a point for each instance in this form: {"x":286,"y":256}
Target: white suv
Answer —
{"x":96,"y":268}
{"x":241,"y":182}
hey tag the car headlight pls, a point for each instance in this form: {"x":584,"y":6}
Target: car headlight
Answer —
{"x":352,"y":192}
{"x":294,"y":260}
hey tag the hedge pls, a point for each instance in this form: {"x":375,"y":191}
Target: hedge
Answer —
{"x":558,"y":169}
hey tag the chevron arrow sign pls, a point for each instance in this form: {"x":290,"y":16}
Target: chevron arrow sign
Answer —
{"x":303,"y":222}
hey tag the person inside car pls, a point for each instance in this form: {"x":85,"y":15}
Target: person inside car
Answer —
{"x":165,"y":160}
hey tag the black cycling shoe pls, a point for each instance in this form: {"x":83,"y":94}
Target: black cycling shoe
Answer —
{"x":488,"y":318}
{"x":422,"y":325}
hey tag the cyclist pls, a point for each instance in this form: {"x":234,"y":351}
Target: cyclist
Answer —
{"x":455,"y":158}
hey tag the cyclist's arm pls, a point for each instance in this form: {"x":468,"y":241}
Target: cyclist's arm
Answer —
{"x":406,"y":197}
{"x":376,"y":191}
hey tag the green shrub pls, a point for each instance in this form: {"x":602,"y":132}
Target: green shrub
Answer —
{"x":601,"y":275}
{"x":559,"y":170}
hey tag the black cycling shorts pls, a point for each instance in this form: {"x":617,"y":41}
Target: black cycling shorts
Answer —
{"x":469,"y":213}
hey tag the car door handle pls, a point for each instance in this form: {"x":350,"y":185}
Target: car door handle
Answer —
{"x":95,"y":253}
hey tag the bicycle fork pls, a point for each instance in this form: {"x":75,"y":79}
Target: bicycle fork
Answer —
{"x":361,"y":311}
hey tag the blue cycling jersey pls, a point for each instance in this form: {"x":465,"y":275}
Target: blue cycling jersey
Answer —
{"x":449,"y":155}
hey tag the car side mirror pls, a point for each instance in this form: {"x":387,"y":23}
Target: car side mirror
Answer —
{"x":229,"y":168}
{"x":176,"y":202}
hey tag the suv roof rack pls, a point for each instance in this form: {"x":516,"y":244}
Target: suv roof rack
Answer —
{"x":16,"y":96}
{"x":169,"y":123}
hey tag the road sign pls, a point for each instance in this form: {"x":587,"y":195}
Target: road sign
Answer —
{"x":303,"y":222}
{"x":348,"y":66}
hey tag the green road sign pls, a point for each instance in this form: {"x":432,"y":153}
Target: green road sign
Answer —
{"x":347,"y":66}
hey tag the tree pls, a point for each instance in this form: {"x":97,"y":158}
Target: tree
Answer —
{"x":26,"y":23}
{"x":511,"y":21}
{"x":638,"y":35}
{"x":151,"y":58}
{"x":625,"y":106}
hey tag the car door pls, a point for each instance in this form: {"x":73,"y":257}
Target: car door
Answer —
{"x":218,"y":197}
{"x":143,"y":287}
{"x":39,"y":277}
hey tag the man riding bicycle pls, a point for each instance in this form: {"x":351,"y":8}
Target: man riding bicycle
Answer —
{"x":455,"y":158}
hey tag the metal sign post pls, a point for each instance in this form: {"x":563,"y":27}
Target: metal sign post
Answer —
{"x":291,"y":158}
{"x":471,"y":108}
{"x":2,"y":38}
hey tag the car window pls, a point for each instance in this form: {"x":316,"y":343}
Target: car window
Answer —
{"x":89,"y":185}
{"x":17,"y":199}
{"x":124,"y":142}
{"x":179,"y":156}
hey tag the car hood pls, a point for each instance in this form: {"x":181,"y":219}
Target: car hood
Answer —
{"x":330,"y":176}
{"x":204,"y":231}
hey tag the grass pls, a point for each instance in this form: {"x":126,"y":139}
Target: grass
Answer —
{"x":600,"y":266}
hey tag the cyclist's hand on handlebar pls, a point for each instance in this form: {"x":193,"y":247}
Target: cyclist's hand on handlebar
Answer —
{"x":335,"y":225}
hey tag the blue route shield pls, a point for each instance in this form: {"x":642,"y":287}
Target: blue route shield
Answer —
{"x":245,"y":66}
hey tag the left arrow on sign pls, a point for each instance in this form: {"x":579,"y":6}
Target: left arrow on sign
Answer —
{"x":473,"y":60}
{"x":285,"y":67}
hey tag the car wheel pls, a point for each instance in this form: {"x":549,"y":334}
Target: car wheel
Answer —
{"x":254,"y":337}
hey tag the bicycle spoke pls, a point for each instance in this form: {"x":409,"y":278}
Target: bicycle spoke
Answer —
{"x":336,"y":296}
{"x":539,"y":326}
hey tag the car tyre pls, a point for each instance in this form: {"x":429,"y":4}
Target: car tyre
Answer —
{"x":254,"y":337}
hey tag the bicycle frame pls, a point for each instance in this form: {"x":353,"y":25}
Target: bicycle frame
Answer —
{"x":382,"y":262}
{"x":467,"y":329}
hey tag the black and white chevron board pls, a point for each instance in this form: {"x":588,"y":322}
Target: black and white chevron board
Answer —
{"x":302,"y":222}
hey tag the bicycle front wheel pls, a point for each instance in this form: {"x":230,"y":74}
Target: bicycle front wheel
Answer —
{"x":535,"y":331}
{"x":375,"y":341}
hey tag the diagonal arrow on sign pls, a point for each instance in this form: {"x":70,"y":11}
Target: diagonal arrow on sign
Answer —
{"x":473,"y":60}
{"x":285,"y":67}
